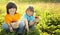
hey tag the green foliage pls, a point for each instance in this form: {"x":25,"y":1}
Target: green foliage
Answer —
{"x":50,"y":22}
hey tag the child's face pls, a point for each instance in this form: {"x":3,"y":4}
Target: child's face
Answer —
{"x":12,"y":11}
{"x":30,"y":13}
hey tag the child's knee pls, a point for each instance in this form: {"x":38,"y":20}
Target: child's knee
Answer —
{"x":22,"y":24}
{"x":4,"y":26}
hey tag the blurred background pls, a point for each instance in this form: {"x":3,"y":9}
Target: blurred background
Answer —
{"x":48,"y":12}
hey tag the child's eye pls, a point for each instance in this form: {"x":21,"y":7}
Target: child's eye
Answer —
{"x":31,"y":11}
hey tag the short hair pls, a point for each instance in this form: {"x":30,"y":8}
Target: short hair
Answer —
{"x":31,"y":8}
{"x":10,"y":5}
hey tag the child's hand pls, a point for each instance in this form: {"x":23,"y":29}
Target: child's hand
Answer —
{"x":15,"y":25}
{"x":36,"y":19}
{"x":31,"y":23}
{"x":11,"y":29}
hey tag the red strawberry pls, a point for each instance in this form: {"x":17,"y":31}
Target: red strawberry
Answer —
{"x":36,"y":16}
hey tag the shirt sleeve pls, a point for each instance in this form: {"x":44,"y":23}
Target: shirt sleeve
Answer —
{"x":24,"y":17}
{"x":6,"y":20}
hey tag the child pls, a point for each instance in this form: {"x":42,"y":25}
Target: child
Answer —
{"x":28,"y":18}
{"x":11,"y":18}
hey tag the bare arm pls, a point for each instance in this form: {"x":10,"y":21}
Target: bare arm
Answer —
{"x":31,"y":23}
{"x":15,"y":24}
{"x":10,"y":27}
{"x":36,"y":20}
{"x":26,"y":23}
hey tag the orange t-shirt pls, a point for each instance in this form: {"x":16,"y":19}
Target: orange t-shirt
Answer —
{"x":10,"y":19}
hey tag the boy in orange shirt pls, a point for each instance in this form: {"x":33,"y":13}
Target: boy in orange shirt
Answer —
{"x":12,"y":18}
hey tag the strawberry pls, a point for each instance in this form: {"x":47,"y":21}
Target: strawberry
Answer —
{"x":36,"y":16}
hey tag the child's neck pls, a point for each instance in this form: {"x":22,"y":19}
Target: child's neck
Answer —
{"x":27,"y":14}
{"x":12,"y":14}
